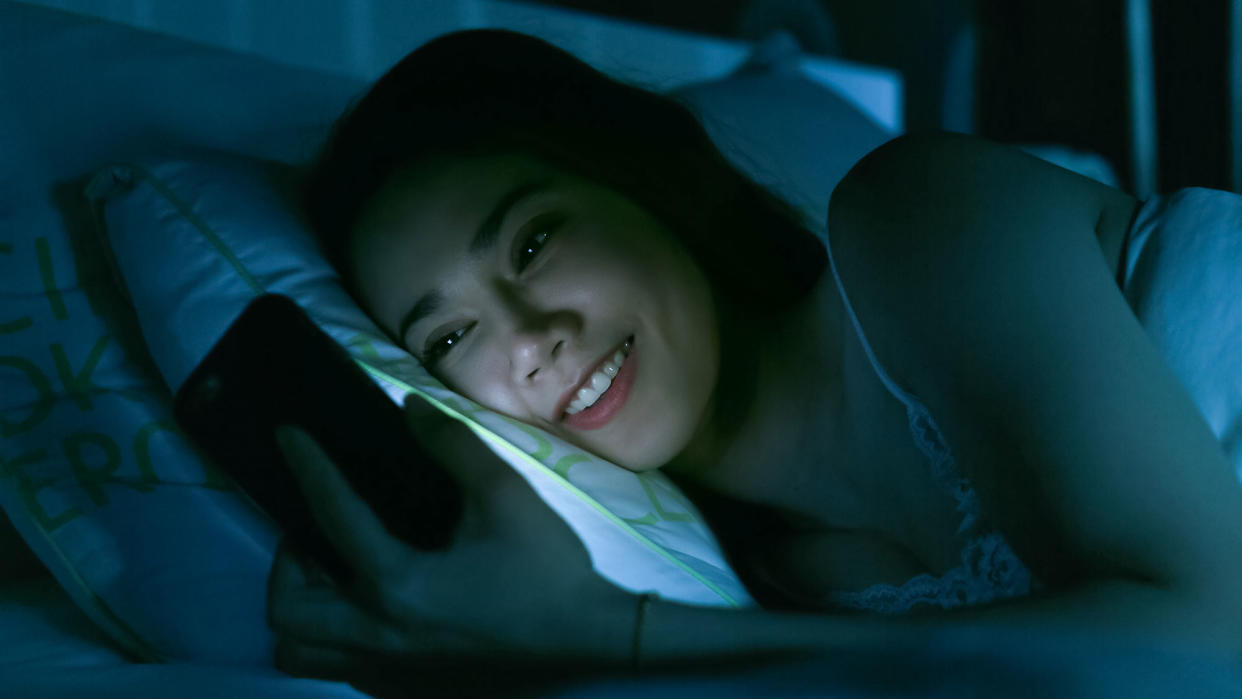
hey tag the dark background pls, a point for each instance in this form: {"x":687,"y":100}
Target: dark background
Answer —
{"x":1031,"y":71}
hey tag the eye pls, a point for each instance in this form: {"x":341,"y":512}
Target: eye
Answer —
{"x":532,"y":242}
{"x":437,"y":348}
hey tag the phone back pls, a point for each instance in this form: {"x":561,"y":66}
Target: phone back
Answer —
{"x":274,"y":367}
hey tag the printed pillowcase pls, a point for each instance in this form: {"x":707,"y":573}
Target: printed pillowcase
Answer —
{"x":193,"y":241}
{"x":86,"y":439}
{"x":96,"y":476}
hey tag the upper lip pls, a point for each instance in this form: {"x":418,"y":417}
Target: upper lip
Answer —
{"x":583,"y":377}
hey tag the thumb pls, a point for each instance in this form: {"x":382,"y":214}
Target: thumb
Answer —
{"x":485,"y":478}
{"x":452,"y":444}
{"x":418,"y":408}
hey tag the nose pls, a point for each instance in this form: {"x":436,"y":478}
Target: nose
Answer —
{"x":534,"y":354}
{"x":537,"y":339}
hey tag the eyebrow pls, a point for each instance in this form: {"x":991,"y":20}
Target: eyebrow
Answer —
{"x":484,"y":240}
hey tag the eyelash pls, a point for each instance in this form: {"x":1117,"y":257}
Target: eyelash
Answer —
{"x":436,"y":349}
{"x":542,"y":226}
{"x":541,"y":229}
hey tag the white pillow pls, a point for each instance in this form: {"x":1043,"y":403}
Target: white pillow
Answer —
{"x":1182,"y":276}
{"x":794,"y":136}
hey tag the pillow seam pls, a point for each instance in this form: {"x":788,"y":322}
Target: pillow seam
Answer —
{"x":204,"y":229}
{"x":129,"y":638}
{"x":564,"y":483}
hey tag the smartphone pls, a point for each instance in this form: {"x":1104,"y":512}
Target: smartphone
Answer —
{"x":274,"y":366}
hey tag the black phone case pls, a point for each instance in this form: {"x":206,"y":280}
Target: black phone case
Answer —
{"x":274,"y":366}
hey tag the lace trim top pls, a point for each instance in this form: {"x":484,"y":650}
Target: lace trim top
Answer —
{"x":989,"y":569}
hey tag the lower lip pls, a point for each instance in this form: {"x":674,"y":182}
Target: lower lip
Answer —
{"x":610,"y":403}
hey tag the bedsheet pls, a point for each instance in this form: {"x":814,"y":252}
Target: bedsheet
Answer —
{"x":49,"y":648}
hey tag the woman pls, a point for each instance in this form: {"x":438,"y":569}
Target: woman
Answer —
{"x":953,"y":409}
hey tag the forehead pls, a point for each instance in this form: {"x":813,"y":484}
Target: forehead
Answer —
{"x":442,"y":190}
{"x":421,"y":222}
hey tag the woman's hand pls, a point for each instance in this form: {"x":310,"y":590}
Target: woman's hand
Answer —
{"x":516,"y":584}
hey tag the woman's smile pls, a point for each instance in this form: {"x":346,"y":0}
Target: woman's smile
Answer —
{"x":601,"y":395}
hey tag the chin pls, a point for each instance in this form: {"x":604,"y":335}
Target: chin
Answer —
{"x":642,"y":455}
{"x":673,"y":434}
{"x":641,"y":466}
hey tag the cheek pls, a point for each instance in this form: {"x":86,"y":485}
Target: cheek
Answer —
{"x":626,"y":264}
{"x":592,"y":278}
{"x":483,"y":374}
{"x":479,"y":375}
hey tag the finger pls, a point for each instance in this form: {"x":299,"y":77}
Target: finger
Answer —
{"x":480,"y":470}
{"x":328,"y":616}
{"x":289,"y":586}
{"x":287,"y":581}
{"x":325,"y":617}
{"x":291,"y":570}
{"x":452,"y":444}
{"x":345,"y":518}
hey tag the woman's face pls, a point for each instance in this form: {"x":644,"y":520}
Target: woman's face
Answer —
{"x":520,"y":285}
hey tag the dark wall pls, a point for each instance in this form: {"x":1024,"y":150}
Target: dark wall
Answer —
{"x":1192,"y":50}
{"x":1057,"y":70}
{"x":913,"y":36}
{"x":1044,"y":71}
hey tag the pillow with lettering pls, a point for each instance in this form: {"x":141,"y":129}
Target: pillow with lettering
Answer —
{"x":98,"y":479}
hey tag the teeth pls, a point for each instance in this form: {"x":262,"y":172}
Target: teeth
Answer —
{"x":599,"y":382}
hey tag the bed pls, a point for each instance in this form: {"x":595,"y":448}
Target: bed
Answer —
{"x":137,"y":169}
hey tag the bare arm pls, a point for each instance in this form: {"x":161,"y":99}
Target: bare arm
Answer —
{"x":1103,"y":613}
{"x":526,"y":598}
{"x":1083,"y":445}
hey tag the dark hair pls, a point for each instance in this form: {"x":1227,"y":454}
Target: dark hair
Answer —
{"x":495,"y":91}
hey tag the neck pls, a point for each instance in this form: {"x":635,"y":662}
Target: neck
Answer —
{"x":773,"y":427}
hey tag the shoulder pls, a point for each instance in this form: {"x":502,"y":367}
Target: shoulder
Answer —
{"x":981,"y":186}
{"x":982,"y":270}
{"x":928,"y":229}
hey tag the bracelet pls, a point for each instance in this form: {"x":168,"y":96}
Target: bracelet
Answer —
{"x":637,"y":646}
